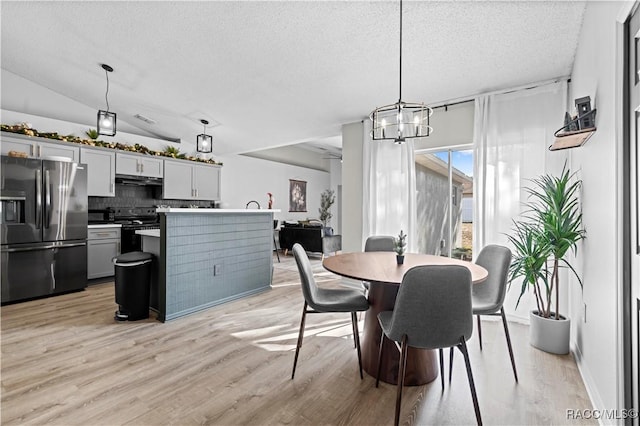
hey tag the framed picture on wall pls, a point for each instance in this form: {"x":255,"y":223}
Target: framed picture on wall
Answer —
{"x":297,"y":195}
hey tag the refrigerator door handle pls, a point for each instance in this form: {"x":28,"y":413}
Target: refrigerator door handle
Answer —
{"x":38,"y":199}
{"x":47,"y":247}
{"x":47,"y":198}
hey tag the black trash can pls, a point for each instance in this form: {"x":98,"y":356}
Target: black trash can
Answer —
{"x":133,"y":276}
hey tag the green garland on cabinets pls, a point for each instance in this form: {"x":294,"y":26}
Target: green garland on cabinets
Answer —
{"x":24,"y":129}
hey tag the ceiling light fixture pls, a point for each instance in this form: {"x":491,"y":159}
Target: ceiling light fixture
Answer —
{"x":106,"y":120}
{"x":402,"y":120}
{"x":204,"y":142}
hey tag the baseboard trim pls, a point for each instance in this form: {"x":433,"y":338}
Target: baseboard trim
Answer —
{"x":589,"y":384}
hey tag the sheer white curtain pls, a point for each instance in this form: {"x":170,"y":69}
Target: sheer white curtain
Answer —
{"x":389,"y":189}
{"x":512,"y":133}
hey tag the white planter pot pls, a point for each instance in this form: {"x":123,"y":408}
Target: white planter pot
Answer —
{"x":549,"y":334}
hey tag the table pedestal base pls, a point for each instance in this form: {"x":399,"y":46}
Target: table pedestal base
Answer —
{"x":422,"y":365}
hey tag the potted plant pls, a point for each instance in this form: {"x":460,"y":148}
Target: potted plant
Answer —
{"x":327,"y":198}
{"x":400,"y":245}
{"x":551,"y":226}
{"x":92,"y":134}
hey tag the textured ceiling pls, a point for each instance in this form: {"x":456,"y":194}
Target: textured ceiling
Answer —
{"x":275,"y":73}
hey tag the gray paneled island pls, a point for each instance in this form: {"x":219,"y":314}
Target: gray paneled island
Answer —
{"x":207,"y":257}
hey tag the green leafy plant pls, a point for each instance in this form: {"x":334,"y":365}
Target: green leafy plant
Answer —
{"x":551,"y":226}
{"x":400,"y":243}
{"x":174,"y":152}
{"x":327,"y":198}
{"x":25,"y":129}
{"x":92,"y":133}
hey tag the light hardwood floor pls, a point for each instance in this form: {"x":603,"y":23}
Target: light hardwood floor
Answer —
{"x":66,"y":361}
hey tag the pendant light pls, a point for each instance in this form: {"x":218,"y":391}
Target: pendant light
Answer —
{"x":402,"y":120}
{"x":204,"y":142}
{"x":106,"y":120}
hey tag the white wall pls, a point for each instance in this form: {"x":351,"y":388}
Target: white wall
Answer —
{"x":247,"y":178}
{"x":20,"y":94}
{"x":451,"y":127}
{"x":335,"y":171}
{"x":595,"y":340}
{"x":352,"y":175}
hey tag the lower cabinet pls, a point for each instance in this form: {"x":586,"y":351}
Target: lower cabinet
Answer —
{"x":102,"y":247}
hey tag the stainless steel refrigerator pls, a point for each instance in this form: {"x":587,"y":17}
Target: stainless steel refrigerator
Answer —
{"x":43,"y":227}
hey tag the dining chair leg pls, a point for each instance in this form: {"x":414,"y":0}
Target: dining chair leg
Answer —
{"x":356,"y":338}
{"x":382,"y":339}
{"x":300,"y":334}
{"x":441,"y":367}
{"x":506,"y":332}
{"x":401,"y":370}
{"x":450,"y":363}
{"x":353,"y":330}
{"x":463,"y":348}
{"x":479,"y":331}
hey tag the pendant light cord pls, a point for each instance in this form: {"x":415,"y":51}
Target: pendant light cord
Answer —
{"x":400,"y":88}
{"x":105,"y":95}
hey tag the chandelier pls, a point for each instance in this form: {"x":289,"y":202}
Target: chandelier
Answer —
{"x":402,"y":120}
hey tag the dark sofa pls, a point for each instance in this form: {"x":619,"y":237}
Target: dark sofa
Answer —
{"x":311,"y":237}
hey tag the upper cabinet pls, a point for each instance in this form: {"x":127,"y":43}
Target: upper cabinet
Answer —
{"x":101,"y":171}
{"x":185,"y":181}
{"x":35,"y":148}
{"x":138,"y":165}
{"x":176,"y":184}
{"x":182,"y":179}
{"x":206,"y":182}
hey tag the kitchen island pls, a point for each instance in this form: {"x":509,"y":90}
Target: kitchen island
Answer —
{"x":206,"y":257}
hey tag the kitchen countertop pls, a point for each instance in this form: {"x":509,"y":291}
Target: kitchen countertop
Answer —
{"x":149,"y":233}
{"x":219,"y":211}
{"x":105,"y":225}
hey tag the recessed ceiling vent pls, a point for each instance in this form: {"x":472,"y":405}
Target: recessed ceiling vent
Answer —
{"x":145,"y":119}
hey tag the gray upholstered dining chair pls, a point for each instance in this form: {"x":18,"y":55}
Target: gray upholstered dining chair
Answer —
{"x":487,"y":297}
{"x":432,"y":311}
{"x":378,"y":243}
{"x":318,"y":300}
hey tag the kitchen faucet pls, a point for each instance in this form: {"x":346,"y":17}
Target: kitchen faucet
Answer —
{"x":252,"y":201}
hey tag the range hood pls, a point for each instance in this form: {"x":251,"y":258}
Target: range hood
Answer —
{"x":138,"y":180}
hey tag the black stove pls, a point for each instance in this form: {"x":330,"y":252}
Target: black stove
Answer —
{"x":135,"y":215}
{"x":134,"y":219}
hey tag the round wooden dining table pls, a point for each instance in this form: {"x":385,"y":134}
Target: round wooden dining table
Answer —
{"x":384,"y":275}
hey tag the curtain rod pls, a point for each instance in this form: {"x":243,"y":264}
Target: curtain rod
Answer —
{"x":472,"y":98}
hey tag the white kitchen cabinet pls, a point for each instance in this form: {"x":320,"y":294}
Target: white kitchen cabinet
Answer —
{"x":101,"y":172}
{"x":138,"y":165}
{"x":102,"y":246}
{"x":35,"y":147}
{"x":206,"y":182}
{"x":176,"y":184}
{"x":191,"y":181}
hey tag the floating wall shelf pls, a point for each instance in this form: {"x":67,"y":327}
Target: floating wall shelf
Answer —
{"x":572,"y":139}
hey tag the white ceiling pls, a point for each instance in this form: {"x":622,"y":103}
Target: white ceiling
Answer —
{"x":277,"y":72}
